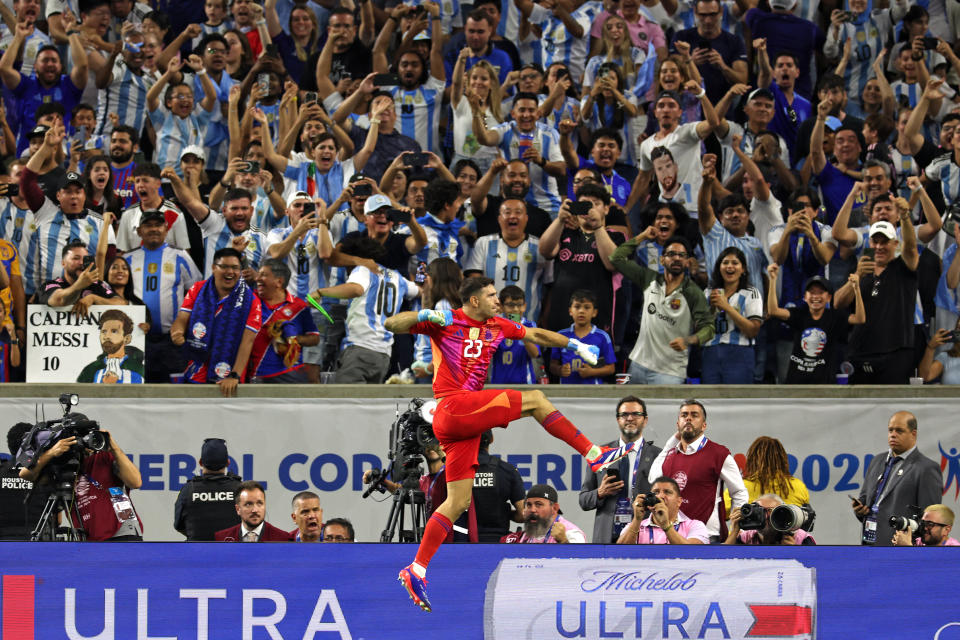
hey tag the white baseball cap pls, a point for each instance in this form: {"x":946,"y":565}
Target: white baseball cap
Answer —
{"x":299,"y":195}
{"x":883,"y":228}
{"x":375,"y":202}
{"x":195,"y":150}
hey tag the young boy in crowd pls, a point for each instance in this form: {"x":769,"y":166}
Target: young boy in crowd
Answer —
{"x":569,"y":367}
{"x":516,"y":361}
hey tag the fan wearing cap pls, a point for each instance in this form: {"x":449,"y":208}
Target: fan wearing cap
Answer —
{"x":682,"y":140}
{"x":759,"y":110}
{"x":205,"y":503}
{"x":57,"y":225}
{"x":542,"y":520}
{"x":161,"y":276}
{"x":146,"y":187}
{"x":882,"y":349}
{"x":816,"y":328}
{"x":379,"y":219}
{"x":304,"y":244}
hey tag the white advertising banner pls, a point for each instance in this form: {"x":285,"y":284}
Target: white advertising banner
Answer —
{"x":104,"y":345}
{"x":325,"y":445}
{"x":649,"y":598}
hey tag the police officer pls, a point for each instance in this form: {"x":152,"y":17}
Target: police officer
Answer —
{"x":497,"y":493}
{"x":206,"y":503}
{"x":20,"y":507}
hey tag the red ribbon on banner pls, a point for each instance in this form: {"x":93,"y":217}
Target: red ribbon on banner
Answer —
{"x":781,"y":620}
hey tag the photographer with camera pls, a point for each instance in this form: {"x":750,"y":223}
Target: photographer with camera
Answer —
{"x":933,"y":530}
{"x":657,"y":518}
{"x":80,"y":285}
{"x":754,"y":523}
{"x":100,"y":490}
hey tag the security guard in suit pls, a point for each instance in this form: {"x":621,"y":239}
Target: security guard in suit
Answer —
{"x":205,"y":504}
{"x":610,"y":493}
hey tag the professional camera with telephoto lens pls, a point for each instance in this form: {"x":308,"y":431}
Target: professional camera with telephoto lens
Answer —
{"x":913,"y":524}
{"x":752,"y":517}
{"x":410,"y":436}
{"x":44,"y":435}
{"x":787,"y":518}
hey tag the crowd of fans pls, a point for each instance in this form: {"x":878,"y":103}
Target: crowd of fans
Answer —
{"x":706,"y":190}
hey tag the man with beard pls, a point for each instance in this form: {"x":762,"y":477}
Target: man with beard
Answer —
{"x":77,"y":283}
{"x":700,"y":467}
{"x":514,"y":185}
{"x":767,"y":534}
{"x":161,"y":276}
{"x":119,"y":363}
{"x":28,"y":12}
{"x":58,"y":225}
{"x":676,"y":314}
{"x":664,"y":523}
{"x":669,"y":189}
{"x":611,"y":494}
{"x":832,"y":90}
{"x":124,"y":142}
{"x":46,"y":84}
{"x":542,"y":520}
{"x":419,"y":95}
{"x":251,"y":506}
{"x":287,"y":327}
{"x":146,"y":186}
{"x":604,"y":153}
{"x":223,"y":318}
{"x":937,"y":523}
{"x":123,"y":86}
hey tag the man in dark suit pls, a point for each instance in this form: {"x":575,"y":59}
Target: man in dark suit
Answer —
{"x":611,"y":495}
{"x":251,"y":504}
{"x":898,"y":482}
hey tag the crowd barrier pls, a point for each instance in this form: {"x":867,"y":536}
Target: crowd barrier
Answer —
{"x":163,"y":591}
{"x":323,"y":438}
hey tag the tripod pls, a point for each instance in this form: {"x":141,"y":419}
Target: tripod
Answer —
{"x":409,"y":496}
{"x":60,"y":500}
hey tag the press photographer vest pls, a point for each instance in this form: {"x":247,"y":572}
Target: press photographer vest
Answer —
{"x":209,"y":505}
{"x":698,"y":475}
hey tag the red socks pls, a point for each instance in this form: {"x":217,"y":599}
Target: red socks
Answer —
{"x":438,"y":526}
{"x":559,"y":427}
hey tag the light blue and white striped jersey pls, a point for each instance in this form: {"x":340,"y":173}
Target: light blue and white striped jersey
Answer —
{"x":217,"y":235}
{"x":906,"y":166}
{"x":306,"y":266}
{"x":807,"y":9}
{"x":55,"y":230}
{"x":945,"y":171}
{"x":868,"y":39}
{"x":161,"y":278}
{"x":304,"y":176}
{"x":383,"y":294}
{"x":223,"y":27}
{"x":451,"y":15}
{"x":418,"y":112}
{"x":730,"y":160}
{"x":217,"y":141}
{"x":556,"y":43}
{"x":263,"y":219}
{"x":175,"y":133}
{"x":749,"y":303}
{"x":177,"y":236}
{"x":342,"y":223}
{"x":595,"y":120}
{"x":31,"y":47}
{"x":636,"y":83}
{"x":126,"y":96}
{"x":510,"y":17}
{"x":543,"y":187}
{"x":522,"y":266}
{"x":18,"y":227}
{"x":719,"y":239}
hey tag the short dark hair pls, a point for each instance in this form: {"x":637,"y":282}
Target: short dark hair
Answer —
{"x":323,"y":137}
{"x":116,"y":314}
{"x":15,"y":436}
{"x":249,"y":485}
{"x":625,"y":399}
{"x":86,"y":6}
{"x":733,"y":200}
{"x":303,"y":495}
{"x":679,"y":240}
{"x":512,"y":292}
{"x":149,"y":169}
{"x":666,"y":480}
{"x":591,"y":190}
{"x":607,"y":132}
{"x":237,"y":193}
{"x":478,"y":15}
{"x":524,"y":95}
{"x":470,"y":286}
{"x":48,"y":108}
{"x":342,"y":11}
{"x":207,"y":39}
{"x":830,"y":81}
{"x":227,"y":252}
{"x":76,"y":243}
{"x":127,"y":129}
{"x":439,"y":194}
{"x":950,"y":117}
{"x":160,"y":17}
{"x":279,"y":269}
{"x":584,"y":295}
{"x":343,"y":522}
{"x":50,"y":47}
{"x":486,"y":438}
{"x":466,"y":162}
{"x":363,"y":246}
{"x":786,"y":54}
{"x":81,"y":107}
{"x":692,"y":401}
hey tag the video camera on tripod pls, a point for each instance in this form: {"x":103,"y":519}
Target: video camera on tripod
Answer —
{"x":410,"y":436}
{"x":61,"y":472}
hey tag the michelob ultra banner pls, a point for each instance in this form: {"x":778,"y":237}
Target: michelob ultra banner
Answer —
{"x":104,"y":345}
{"x":540,"y":598}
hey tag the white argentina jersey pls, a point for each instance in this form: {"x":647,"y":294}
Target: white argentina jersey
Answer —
{"x":126,"y":96}
{"x":383,"y":294}
{"x":543,"y":187}
{"x":306,"y":267}
{"x":418,"y":112}
{"x":217,"y":235}
{"x":55,"y":230}
{"x":521,"y":266}
{"x":161,"y":278}
{"x":18,"y":227}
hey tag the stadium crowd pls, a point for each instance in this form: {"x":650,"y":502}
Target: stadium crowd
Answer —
{"x":716,"y":191}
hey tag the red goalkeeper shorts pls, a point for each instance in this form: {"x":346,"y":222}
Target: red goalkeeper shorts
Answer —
{"x":461,"y":418}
